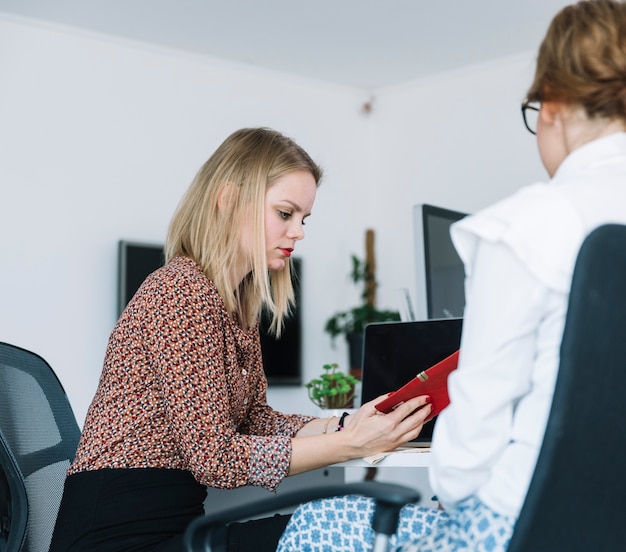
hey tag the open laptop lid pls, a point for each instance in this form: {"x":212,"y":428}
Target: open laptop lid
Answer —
{"x":395,"y":352}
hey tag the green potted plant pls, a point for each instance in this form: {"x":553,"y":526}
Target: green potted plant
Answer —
{"x":352,"y":321}
{"x":333,"y":389}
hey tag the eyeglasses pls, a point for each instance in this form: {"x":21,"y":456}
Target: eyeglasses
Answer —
{"x":530,"y":114}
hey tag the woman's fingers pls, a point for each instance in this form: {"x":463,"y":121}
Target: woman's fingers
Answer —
{"x":412,"y":404}
{"x":372,"y":431}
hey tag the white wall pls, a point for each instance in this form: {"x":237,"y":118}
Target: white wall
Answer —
{"x":99,"y":138}
{"x":456,"y":141}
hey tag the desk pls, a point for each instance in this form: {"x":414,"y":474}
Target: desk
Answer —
{"x":220,"y":499}
{"x":408,"y":457}
{"x":408,"y":466}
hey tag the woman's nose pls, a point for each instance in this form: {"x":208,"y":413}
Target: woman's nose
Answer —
{"x":296,"y":231}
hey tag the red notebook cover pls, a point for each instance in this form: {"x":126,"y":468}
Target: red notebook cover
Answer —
{"x":432,"y":382}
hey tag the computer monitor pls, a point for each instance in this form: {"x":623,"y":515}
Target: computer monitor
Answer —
{"x":281,"y":357}
{"x":439,"y":270}
{"x":135,"y":262}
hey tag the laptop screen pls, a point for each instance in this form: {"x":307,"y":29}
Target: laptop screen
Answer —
{"x":395,"y":352}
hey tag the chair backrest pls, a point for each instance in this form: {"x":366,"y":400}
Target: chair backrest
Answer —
{"x":577,"y":496}
{"x":38,"y":439}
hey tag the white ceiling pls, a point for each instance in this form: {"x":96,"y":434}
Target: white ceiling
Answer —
{"x":366,"y":44}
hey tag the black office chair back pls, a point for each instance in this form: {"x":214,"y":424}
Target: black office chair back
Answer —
{"x":577,"y":496}
{"x":38,"y":439}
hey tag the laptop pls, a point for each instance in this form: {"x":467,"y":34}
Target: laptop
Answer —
{"x":395,"y":352}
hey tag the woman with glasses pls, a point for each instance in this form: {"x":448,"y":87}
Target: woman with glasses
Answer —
{"x":519,"y":256}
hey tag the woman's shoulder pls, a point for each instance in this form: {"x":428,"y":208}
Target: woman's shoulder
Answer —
{"x":180,"y":282}
{"x":182,"y":268}
{"x":538,"y":223}
{"x":183,"y":274}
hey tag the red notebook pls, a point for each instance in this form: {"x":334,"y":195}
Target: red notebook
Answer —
{"x":432,"y":382}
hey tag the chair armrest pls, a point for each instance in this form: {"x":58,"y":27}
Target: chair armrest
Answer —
{"x":389,"y":499}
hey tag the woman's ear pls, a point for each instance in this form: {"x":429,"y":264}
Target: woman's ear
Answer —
{"x":225,"y":196}
{"x":552,"y":112}
{"x":547,"y":112}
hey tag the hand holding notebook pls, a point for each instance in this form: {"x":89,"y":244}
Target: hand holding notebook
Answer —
{"x":432,"y":382}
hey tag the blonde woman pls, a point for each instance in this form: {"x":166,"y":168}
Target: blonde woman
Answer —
{"x":181,"y":402}
{"x":519,"y":256}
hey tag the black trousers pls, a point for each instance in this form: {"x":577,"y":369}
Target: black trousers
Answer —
{"x":260,"y":535}
{"x":141,"y":510}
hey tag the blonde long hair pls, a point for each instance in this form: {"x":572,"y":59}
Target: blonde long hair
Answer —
{"x":244,"y":166}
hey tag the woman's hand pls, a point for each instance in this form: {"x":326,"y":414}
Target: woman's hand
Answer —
{"x":365,"y":433}
{"x":370,"y":431}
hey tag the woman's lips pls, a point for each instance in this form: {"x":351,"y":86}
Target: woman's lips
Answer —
{"x":286,"y":251}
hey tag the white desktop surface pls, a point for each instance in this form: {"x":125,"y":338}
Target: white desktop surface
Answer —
{"x":404,"y":457}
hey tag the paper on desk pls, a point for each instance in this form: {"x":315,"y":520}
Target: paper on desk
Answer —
{"x":410,"y":450}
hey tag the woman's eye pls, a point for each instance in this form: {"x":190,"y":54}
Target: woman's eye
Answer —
{"x":284,"y":215}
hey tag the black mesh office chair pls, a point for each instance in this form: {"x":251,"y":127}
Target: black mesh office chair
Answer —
{"x":38,"y":439}
{"x":577,"y":496}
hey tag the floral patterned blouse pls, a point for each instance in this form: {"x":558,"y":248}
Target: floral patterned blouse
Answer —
{"x":183,"y":387}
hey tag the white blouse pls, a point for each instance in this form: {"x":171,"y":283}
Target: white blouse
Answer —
{"x":519,"y":256}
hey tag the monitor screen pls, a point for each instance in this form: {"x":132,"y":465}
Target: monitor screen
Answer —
{"x":135,"y":262}
{"x":281,"y":357}
{"x":439,"y":269}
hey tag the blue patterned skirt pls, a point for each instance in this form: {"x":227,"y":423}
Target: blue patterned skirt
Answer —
{"x":344,"y":525}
